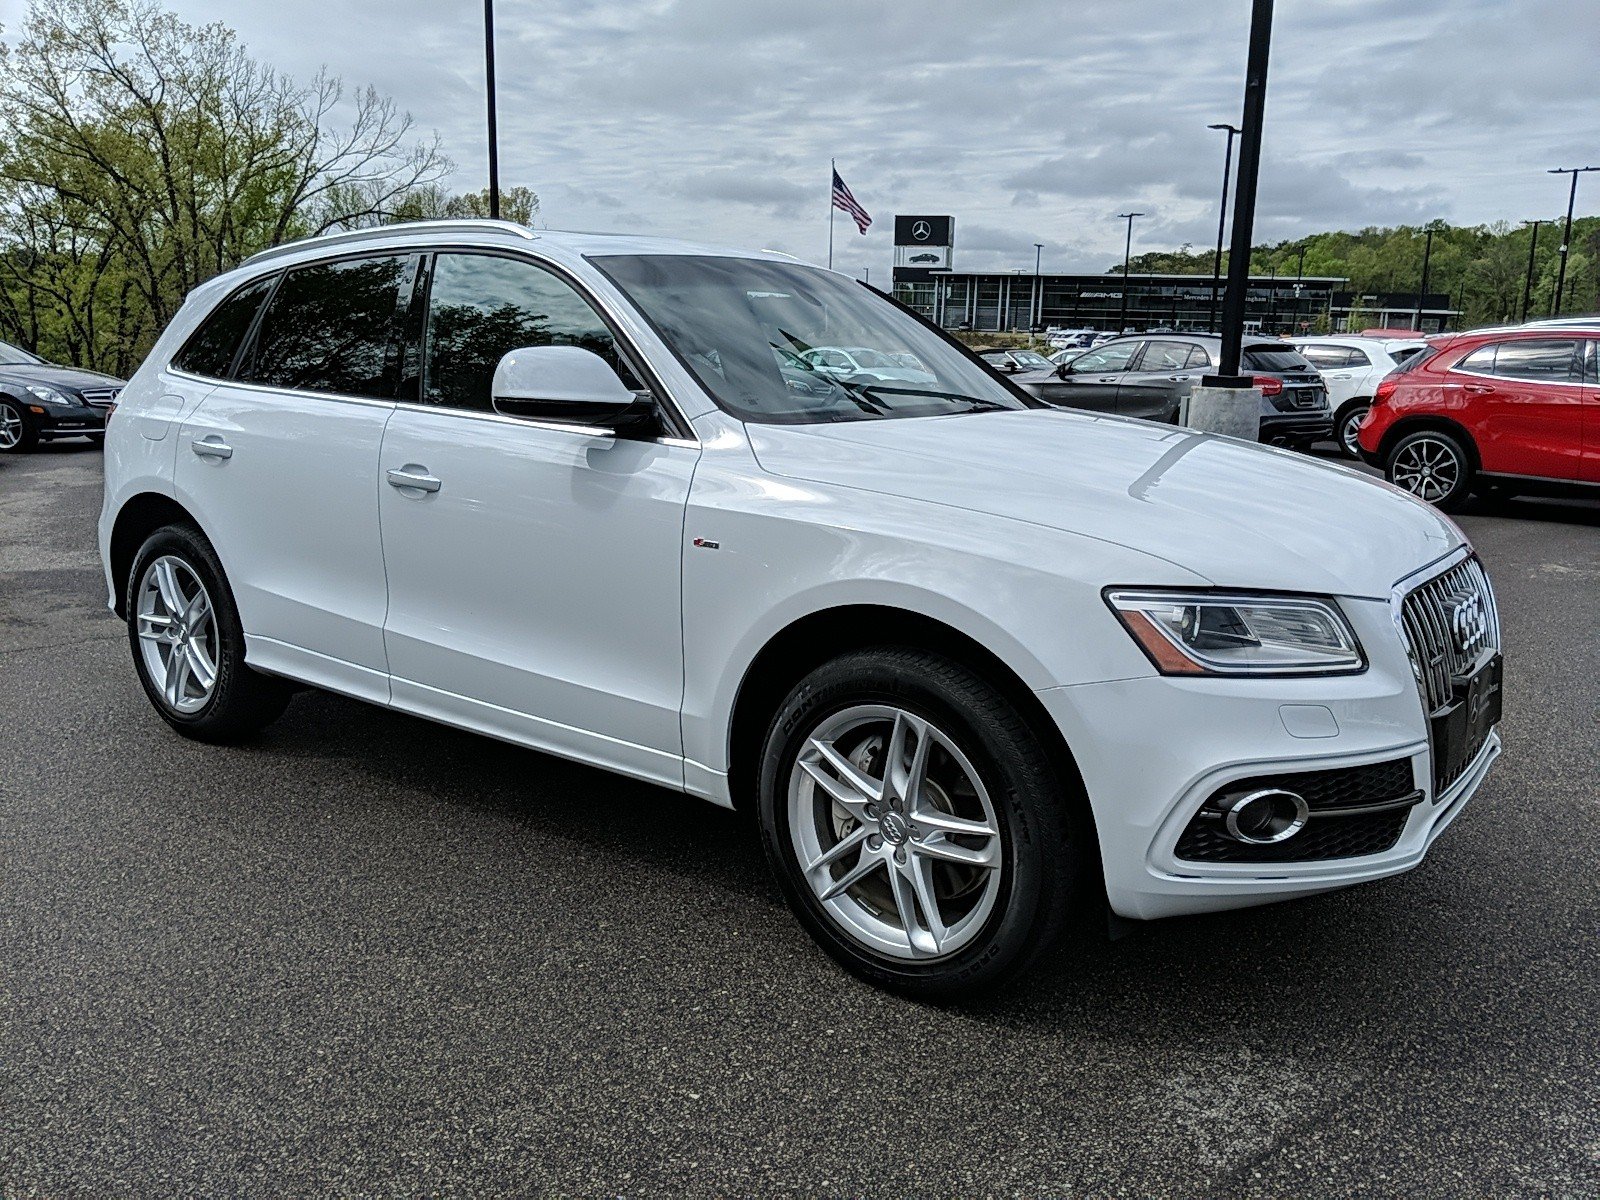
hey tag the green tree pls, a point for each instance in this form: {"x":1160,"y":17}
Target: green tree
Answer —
{"x":140,"y":155}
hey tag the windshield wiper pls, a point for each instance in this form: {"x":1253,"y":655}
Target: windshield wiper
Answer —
{"x":978,"y":403}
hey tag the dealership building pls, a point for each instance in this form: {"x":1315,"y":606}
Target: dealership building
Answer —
{"x":925,"y":279}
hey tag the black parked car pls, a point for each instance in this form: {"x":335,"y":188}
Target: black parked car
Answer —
{"x":43,"y":401}
{"x":1148,"y":377}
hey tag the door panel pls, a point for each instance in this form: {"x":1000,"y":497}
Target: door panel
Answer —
{"x":1528,"y":415}
{"x":536,"y":593}
{"x":1589,"y":471}
{"x":293,"y":512}
{"x":1153,"y":389}
{"x":1091,"y":382}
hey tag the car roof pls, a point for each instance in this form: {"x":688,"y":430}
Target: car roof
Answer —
{"x":567,"y":247}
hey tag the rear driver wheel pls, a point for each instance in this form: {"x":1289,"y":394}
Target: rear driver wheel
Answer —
{"x":917,"y":827}
{"x":188,"y":644}
{"x":1432,"y":466}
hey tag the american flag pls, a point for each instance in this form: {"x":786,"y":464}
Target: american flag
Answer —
{"x":843,"y":199}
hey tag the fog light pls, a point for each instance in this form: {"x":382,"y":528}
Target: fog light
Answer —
{"x":1265,"y":817}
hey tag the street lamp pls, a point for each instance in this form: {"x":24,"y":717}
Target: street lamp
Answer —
{"x":1127,"y":249}
{"x":1038,"y":296}
{"x":1427,"y":255}
{"x":1566,"y":232}
{"x":494,"y":136}
{"x":1244,"y":196}
{"x":1222,"y":219}
{"x":1527,"y":283}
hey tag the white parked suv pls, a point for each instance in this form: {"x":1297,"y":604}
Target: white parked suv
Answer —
{"x":974,"y":666}
{"x":1353,"y":368}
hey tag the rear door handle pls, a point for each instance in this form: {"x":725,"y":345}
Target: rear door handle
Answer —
{"x":1481,"y":389}
{"x":1180,"y":378}
{"x":414,"y":477}
{"x":211,"y":446}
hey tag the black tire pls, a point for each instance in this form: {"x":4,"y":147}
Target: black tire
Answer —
{"x":14,"y":416}
{"x":1432,"y":465}
{"x":1346,"y":423}
{"x":242,"y":701}
{"x":1043,"y":834}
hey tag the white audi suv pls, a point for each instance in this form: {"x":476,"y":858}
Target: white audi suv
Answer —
{"x":974,"y":666}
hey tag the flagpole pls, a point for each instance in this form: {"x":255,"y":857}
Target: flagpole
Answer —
{"x":832,"y":171}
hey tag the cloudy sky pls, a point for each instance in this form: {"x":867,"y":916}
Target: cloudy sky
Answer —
{"x":1030,"y":120}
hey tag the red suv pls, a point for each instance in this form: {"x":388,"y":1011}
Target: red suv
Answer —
{"x":1498,"y":410}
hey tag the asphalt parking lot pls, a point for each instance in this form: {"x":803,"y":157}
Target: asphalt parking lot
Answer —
{"x":367,"y":954}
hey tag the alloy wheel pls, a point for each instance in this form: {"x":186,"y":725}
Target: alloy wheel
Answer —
{"x":1428,"y":468}
{"x":177,"y":627}
{"x":894,"y":832}
{"x":10,"y":427}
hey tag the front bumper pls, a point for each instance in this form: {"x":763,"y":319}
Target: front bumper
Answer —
{"x":1153,"y":749}
{"x":67,"y":420}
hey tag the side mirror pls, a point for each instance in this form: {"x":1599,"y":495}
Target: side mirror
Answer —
{"x":567,"y":384}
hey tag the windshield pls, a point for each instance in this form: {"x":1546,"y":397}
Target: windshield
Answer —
{"x":12,"y":356}
{"x":730,"y":321}
{"x":1028,"y":358}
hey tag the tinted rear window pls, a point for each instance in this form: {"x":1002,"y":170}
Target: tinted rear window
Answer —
{"x":331,"y":327}
{"x":210,"y":349}
{"x":1275,"y":358}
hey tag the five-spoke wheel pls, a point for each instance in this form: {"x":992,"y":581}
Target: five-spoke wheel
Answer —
{"x":895,"y":832}
{"x":177,"y":628}
{"x":188,"y":644}
{"x":919,"y":828}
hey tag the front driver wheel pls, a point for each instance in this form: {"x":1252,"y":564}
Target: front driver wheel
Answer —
{"x":1346,"y":428}
{"x":188,"y":644}
{"x":1432,"y":466}
{"x":17,"y":435}
{"x":915,"y":824}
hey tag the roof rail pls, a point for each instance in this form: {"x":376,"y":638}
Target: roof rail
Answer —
{"x":359,"y":235}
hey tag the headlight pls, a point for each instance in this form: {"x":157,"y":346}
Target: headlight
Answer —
{"x":50,"y":395}
{"x":1223,"y":633}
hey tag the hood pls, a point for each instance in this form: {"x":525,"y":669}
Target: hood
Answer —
{"x":1238,"y":514}
{"x":51,"y":375}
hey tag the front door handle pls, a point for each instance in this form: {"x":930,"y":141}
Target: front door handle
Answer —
{"x":416,"y":477}
{"x":1179,"y":378}
{"x":211,"y":446}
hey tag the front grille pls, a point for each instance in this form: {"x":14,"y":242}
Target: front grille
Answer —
{"x":1447,"y":643}
{"x":100,"y":397}
{"x":1332,"y":830}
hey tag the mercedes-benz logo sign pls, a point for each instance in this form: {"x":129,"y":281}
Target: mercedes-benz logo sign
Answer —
{"x":1469,"y":623}
{"x":922,"y":231}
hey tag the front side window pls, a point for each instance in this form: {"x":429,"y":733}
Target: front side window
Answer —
{"x":482,"y":306}
{"x":723,"y":317}
{"x":1552,"y":360}
{"x":331,"y":327}
{"x":1105,"y":360}
{"x":210,"y":349}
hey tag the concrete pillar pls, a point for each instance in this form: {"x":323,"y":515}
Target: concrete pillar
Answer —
{"x":1235,"y":412}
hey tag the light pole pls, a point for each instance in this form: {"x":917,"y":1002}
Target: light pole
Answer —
{"x":1566,"y":232}
{"x":494,"y":135}
{"x":1127,"y":250}
{"x":1299,"y":282}
{"x":1527,"y":283}
{"x":1244,"y":197}
{"x":1222,"y":220}
{"x":1427,"y":255}
{"x":1038,"y":296}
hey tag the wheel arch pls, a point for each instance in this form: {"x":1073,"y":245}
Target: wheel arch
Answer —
{"x":1406,"y":426}
{"x":140,"y":516}
{"x":809,"y":641}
